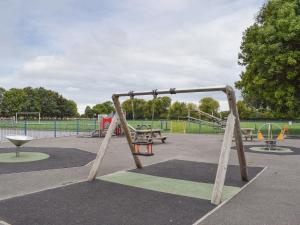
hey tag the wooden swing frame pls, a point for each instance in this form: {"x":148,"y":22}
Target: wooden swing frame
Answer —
{"x":233,"y":129}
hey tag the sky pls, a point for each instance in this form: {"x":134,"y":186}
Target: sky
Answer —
{"x":88,"y":50}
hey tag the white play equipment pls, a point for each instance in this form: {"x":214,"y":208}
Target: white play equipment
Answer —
{"x":18,"y":141}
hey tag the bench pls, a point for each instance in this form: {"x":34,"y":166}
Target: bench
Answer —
{"x":247,"y":133}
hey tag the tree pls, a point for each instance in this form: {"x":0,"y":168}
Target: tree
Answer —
{"x":178,"y":109}
{"x":104,"y":108}
{"x":88,"y":112}
{"x":70,"y":109}
{"x":193,"y":110}
{"x":209,"y":105}
{"x":138,"y":109}
{"x":13,"y":101}
{"x":270,"y":53}
{"x":2,"y":91}
{"x":32,"y":103}
{"x":161,"y":108}
{"x":245,"y":111}
{"x":47,"y":102}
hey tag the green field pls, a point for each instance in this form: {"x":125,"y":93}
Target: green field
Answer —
{"x":174,"y":126}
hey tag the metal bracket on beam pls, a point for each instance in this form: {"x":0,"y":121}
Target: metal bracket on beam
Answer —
{"x":172,"y":91}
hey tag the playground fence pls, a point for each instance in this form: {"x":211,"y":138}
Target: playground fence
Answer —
{"x":80,"y":127}
{"x":48,"y":129}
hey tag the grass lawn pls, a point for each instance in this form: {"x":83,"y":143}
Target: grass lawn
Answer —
{"x":174,"y":126}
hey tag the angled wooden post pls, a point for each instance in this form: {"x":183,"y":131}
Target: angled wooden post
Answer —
{"x":223,"y":161}
{"x":126,"y":130}
{"x":103,"y":148}
{"x":237,"y":133}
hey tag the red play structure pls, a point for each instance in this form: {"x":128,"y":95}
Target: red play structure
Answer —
{"x":105,"y":123}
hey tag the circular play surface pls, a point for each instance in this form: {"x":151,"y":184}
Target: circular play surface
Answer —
{"x":24,"y":157}
{"x":275,"y":149}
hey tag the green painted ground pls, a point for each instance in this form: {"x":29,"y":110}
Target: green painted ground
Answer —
{"x":24,"y":157}
{"x":168,"y":185}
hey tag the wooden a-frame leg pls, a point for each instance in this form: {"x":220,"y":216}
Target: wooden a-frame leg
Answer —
{"x":237,"y":133}
{"x":126,"y":131}
{"x":223,"y":161}
{"x":103,"y":148}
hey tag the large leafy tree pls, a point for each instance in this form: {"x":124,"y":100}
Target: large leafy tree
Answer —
{"x":13,"y":101}
{"x":178,"y":109}
{"x":161,"y":108}
{"x":2,"y":91}
{"x":209,"y":105}
{"x":193,"y":110}
{"x":104,"y":108}
{"x":47,"y":102}
{"x":245,"y":111}
{"x":88,"y":112}
{"x":270,"y":52}
{"x":134,"y":106}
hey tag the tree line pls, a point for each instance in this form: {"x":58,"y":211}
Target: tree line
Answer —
{"x":49,"y":103}
{"x":159,"y":108}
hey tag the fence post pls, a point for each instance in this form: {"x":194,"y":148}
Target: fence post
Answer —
{"x":25,"y":127}
{"x":55,"y":128}
{"x":77,"y":127}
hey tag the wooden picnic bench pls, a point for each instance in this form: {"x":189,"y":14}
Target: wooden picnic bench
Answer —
{"x":248,"y":133}
{"x":146,"y":134}
{"x":150,"y":134}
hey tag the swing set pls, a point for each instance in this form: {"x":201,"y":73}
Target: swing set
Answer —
{"x":145,"y":134}
{"x":232,"y":130}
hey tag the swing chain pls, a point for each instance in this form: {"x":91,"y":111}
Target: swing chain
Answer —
{"x":131,"y":94}
{"x":154,"y":93}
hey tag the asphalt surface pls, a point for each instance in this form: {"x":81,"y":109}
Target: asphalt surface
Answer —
{"x":102,"y":202}
{"x":58,"y":158}
{"x":271,"y":199}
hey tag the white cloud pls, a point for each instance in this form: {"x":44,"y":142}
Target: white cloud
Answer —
{"x":137,"y":45}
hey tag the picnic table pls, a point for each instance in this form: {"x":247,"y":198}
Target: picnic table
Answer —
{"x":247,"y":133}
{"x":140,"y":135}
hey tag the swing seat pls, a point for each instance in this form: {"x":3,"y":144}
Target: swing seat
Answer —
{"x":148,"y":144}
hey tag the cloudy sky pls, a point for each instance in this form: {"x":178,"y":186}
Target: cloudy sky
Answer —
{"x":88,"y":50}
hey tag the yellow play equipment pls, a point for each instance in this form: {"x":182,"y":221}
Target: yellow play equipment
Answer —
{"x":260,"y":136}
{"x":269,"y":138}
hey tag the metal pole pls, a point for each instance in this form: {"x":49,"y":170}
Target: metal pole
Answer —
{"x":17,"y":151}
{"x":77,"y":127}
{"x":55,"y":128}
{"x":25,"y":127}
{"x":173,"y":91}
